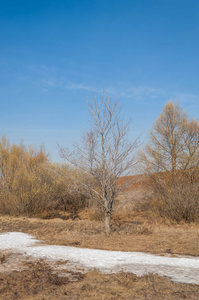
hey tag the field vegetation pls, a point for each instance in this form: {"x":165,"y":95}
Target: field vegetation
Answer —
{"x":39,"y":281}
{"x":132,"y":231}
{"x":30,"y":184}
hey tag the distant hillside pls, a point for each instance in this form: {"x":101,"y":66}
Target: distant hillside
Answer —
{"x":131,"y":183}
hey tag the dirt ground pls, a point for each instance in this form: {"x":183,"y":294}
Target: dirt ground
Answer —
{"x":25,"y":278}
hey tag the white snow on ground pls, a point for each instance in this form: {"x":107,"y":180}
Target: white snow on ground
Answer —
{"x":181,"y":269}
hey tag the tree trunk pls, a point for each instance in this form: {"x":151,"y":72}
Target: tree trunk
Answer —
{"x":107,"y":222}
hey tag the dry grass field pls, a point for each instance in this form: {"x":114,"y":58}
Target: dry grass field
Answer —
{"x":39,"y":282}
{"x":132,"y":231}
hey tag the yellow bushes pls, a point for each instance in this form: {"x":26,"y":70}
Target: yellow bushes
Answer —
{"x":29,"y":183}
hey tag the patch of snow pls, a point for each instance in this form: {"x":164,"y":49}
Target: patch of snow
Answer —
{"x":179,"y":269}
{"x":12,"y":240}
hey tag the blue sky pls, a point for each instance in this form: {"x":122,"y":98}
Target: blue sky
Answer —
{"x":56,"y":54}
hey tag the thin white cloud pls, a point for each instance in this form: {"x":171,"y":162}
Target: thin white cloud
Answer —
{"x":68,"y":85}
{"x":79,"y":86}
{"x":142,"y":92}
{"x":51,"y":83}
{"x":136,"y":93}
{"x":186,"y":97}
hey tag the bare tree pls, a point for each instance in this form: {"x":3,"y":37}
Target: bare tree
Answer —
{"x":171,"y":159}
{"x":104,"y":154}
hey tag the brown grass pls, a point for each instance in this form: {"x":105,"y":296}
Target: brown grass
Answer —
{"x":40,"y":282}
{"x":131,"y":232}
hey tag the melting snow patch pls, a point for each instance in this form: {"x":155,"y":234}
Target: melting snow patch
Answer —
{"x":12,"y":240}
{"x":178,"y":269}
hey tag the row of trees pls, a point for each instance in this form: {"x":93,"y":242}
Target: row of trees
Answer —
{"x":29,"y":182}
{"x":170,"y":161}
